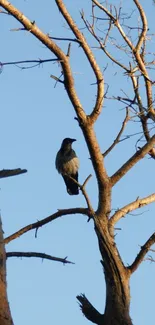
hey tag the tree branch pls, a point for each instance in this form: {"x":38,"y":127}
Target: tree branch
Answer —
{"x":127,"y":118}
{"x":142,"y":116}
{"x":144,"y":23}
{"x":65,"y":39}
{"x":56,"y":78}
{"x":141,"y":63}
{"x":143,"y":251}
{"x":133,"y":160}
{"x":139,"y":203}
{"x":82,"y":188}
{"x":53,"y":47}
{"x":103,"y":44}
{"x":89,"y":311}
{"x":84,"y":121}
{"x":39,"y":61}
{"x":87,"y":125}
{"x":135,"y":50}
{"x":39,"y":255}
{"x":116,"y":23}
{"x":150,"y":258}
{"x":12,"y":172}
{"x":38,"y":224}
{"x":90,"y":56}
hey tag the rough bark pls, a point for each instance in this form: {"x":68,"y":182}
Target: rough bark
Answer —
{"x":5,"y":314}
{"x":117,"y":278}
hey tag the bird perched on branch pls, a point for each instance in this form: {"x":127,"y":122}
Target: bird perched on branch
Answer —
{"x":67,"y":164}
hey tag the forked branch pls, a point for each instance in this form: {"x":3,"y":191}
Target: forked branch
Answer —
{"x":82,"y":188}
{"x":144,"y":24}
{"x":54,"y":48}
{"x":90,"y":56}
{"x":84,"y":121}
{"x":135,"y":50}
{"x":102,"y":44}
{"x":115,"y":22}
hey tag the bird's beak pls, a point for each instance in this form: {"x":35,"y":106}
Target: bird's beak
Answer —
{"x":73,"y":140}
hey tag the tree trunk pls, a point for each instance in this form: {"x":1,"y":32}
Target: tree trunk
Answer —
{"x":117,"y":278}
{"x":5,"y":314}
{"x":117,"y":306}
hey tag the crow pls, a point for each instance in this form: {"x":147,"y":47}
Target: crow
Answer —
{"x":67,"y":164}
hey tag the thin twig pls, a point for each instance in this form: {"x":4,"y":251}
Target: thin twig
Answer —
{"x":4,"y":12}
{"x":82,"y":188}
{"x":69,"y":50}
{"x":142,"y":116}
{"x":103,"y":44}
{"x":65,"y":39}
{"x":87,"y":179}
{"x":17,"y":29}
{"x":150,"y":258}
{"x":152,"y":250}
{"x":39,"y":61}
{"x":56,"y":78}
{"x":115,"y":22}
{"x":116,"y":141}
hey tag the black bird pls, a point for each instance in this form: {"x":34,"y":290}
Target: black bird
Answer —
{"x":67,"y":164}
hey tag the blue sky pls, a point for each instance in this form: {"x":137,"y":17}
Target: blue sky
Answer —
{"x":35,"y":117}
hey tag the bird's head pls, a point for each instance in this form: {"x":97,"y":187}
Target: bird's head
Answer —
{"x":67,"y":143}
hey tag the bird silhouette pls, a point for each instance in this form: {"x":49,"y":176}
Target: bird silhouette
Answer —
{"x":67,"y":164}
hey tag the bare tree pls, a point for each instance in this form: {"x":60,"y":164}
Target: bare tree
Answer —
{"x":115,"y":36}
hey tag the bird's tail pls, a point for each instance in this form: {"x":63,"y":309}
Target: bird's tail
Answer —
{"x":72,"y":187}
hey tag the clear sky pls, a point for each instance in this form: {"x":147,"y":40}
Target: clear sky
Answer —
{"x":35,"y":117}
